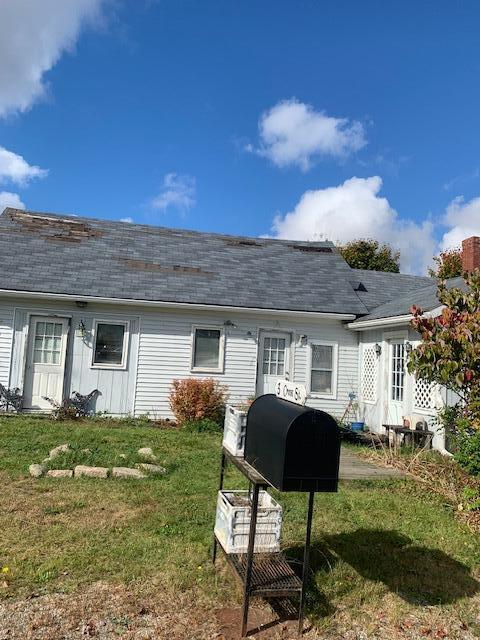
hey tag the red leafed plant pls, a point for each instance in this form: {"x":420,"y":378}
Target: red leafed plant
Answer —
{"x":196,"y":399}
{"x":449,"y":353}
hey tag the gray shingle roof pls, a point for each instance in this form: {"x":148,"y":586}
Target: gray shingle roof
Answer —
{"x":383,"y":286}
{"x":49,"y":253}
{"x":84,"y":256}
{"x":425,"y":298}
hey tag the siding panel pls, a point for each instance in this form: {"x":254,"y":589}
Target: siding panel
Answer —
{"x":6,"y":338}
{"x":165,"y":354}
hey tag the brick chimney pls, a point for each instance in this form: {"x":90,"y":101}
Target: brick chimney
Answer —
{"x":471,"y":254}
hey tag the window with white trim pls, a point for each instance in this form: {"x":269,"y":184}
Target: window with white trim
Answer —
{"x":110,"y":344}
{"x":208,"y":349}
{"x":323,"y":366}
{"x":397,"y":371}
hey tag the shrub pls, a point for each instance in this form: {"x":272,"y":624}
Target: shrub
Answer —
{"x":468,"y":451}
{"x":194,"y":399}
{"x":202,"y":426}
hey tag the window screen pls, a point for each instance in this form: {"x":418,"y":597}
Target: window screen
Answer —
{"x":109,"y":344}
{"x":207,"y":349}
{"x":321,"y":380}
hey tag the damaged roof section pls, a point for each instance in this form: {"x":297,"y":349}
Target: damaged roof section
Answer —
{"x":54,"y":228}
{"x":47,"y":253}
{"x":43,"y":252}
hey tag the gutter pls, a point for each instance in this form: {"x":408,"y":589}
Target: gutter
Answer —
{"x":362,"y":325}
{"x":66,"y":297}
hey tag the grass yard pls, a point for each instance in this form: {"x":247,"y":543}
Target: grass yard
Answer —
{"x":126,"y":556}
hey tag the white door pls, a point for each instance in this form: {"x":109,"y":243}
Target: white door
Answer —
{"x":45,"y":364}
{"x":273,"y":360}
{"x":395,"y":382}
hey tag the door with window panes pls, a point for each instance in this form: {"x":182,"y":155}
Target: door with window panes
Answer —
{"x":45,"y":362}
{"x":395,"y":383}
{"x":273,"y":360}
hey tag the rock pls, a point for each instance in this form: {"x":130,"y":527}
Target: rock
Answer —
{"x":91,"y":472}
{"x":127,"y":472}
{"x":86,"y":451}
{"x":123,"y":456}
{"x":36,"y":470}
{"x":154,"y":469}
{"x":62,"y":448}
{"x":147,"y":454}
{"x":60,"y":473}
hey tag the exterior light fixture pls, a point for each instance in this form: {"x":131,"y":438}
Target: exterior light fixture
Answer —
{"x":229,"y":323}
{"x":378,"y":349}
{"x":81,"y":304}
{"x":408,"y":347}
{"x":303,"y":341}
{"x":82,"y":328}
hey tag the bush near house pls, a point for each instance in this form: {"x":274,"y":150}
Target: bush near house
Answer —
{"x":194,"y":399}
{"x":449,"y":355}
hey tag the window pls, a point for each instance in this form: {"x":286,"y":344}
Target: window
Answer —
{"x":398,"y":371}
{"x":323,"y":365}
{"x":208,"y":348}
{"x":110,"y":344}
{"x":47,"y":347}
{"x":274,"y":356}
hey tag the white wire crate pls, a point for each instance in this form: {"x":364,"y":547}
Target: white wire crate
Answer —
{"x":232,"y":523}
{"x":234,"y":430}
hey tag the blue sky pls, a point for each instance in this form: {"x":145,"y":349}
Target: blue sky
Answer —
{"x":301,"y":119}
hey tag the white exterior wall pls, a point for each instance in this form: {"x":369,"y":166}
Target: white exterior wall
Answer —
{"x":160,"y":350}
{"x":6,"y":337}
{"x":375,"y":412}
{"x":166,"y":344}
{"x":117,"y":387}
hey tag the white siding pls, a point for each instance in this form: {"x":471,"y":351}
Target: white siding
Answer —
{"x":165,"y":354}
{"x":160,"y":342}
{"x":6,"y":336}
{"x":117,"y":387}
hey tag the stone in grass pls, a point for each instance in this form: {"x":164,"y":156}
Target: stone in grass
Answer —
{"x":62,"y":448}
{"x":127,"y":472}
{"x":36,"y":470}
{"x":60,"y":473}
{"x":147,"y":454}
{"x":154,"y":469}
{"x":90,"y":472}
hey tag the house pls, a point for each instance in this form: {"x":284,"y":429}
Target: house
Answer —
{"x":93,"y":304}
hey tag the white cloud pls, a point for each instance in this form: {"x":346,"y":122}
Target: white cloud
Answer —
{"x":33,"y":37}
{"x":128,"y":220}
{"x":354,"y":210}
{"x":293,"y":133}
{"x":8,"y":199}
{"x":178,"y":191}
{"x":463,"y":218}
{"x":15,"y":169}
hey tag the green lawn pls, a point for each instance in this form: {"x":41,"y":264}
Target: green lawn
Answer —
{"x":380,"y":548}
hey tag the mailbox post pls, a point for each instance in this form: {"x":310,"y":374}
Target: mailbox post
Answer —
{"x":292,"y":448}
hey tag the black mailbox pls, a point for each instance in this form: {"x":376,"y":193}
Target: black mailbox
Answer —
{"x":294,"y":448}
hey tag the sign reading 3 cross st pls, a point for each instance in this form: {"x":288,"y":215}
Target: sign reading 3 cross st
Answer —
{"x":291,"y":391}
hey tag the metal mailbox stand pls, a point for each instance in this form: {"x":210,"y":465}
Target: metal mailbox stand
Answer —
{"x":272,"y":577}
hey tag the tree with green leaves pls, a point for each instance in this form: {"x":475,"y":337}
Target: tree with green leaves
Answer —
{"x":448,"y":264}
{"x":370,"y":254}
{"x":449,"y":354}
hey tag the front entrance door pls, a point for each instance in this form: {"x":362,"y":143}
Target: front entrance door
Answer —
{"x":395,"y":383}
{"x":45,"y":363}
{"x":273,"y":360}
